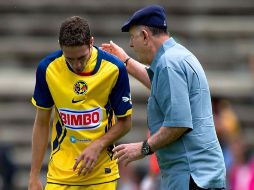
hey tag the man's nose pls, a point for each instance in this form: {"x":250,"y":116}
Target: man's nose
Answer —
{"x":131,"y":44}
{"x":77,"y":63}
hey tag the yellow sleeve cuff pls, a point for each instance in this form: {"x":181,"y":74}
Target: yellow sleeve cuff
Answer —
{"x":35,"y":104}
{"x":129,"y":112}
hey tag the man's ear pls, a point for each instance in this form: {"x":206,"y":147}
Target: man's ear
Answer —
{"x":91,"y":41}
{"x":145,"y":36}
{"x":59,"y":44}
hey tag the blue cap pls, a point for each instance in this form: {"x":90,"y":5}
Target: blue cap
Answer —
{"x":153,"y":15}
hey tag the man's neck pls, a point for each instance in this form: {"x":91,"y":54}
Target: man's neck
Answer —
{"x":157,"y":42}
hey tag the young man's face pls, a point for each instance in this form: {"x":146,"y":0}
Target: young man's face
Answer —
{"x":77,"y":56}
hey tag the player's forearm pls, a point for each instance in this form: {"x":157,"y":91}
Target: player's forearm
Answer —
{"x":165,"y":136}
{"x":138,"y":71}
{"x":122,"y":126}
{"x":39,"y":147}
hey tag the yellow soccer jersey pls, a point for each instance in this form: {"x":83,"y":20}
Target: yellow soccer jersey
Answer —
{"x":84,"y":110}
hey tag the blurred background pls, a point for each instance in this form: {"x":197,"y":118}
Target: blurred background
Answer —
{"x":219,"y":32}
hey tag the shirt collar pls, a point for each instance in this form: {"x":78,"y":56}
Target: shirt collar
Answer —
{"x":150,"y":73}
{"x":91,"y":62}
{"x":166,"y":45}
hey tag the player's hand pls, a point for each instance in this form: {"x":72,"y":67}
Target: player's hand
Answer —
{"x":114,"y":49}
{"x":35,"y":183}
{"x":88,"y":158}
{"x":127,"y":153}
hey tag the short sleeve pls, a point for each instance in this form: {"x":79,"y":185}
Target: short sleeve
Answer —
{"x":173,"y":98}
{"x":120,"y":97}
{"x":42,"y":97}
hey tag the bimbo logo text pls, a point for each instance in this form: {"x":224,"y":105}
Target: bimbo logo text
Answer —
{"x":81,"y":120}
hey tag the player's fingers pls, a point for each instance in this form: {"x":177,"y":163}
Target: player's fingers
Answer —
{"x":78,"y":159}
{"x":89,"y":167}
{"x":92,"y":166}
{"x":82,"y":166}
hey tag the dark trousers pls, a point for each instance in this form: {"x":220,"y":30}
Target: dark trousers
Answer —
{"x":193,"y":186}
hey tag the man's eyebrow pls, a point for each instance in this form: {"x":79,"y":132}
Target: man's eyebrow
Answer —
{"x":76,"y":58}
{"x":81,"y":57}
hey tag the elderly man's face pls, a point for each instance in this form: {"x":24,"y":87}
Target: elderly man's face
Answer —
{"x":138,"y":44}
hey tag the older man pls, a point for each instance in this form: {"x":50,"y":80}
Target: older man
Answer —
{"x":179,"y":107}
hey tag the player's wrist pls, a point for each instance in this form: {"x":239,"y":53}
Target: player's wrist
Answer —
{"x":34,"y":173}
{"x":100,"y":145}
{"x":34,"y":176}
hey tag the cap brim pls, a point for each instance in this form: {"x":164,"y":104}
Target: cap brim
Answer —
{"x":126,"y":27}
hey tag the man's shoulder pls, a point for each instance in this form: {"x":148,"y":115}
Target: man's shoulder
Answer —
{"x":49,"y":58}
{"x":52,"y":56}
{"x":111,"y":58}
{"x":176,"y":56}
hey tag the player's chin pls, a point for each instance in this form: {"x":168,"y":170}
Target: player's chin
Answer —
{"x":78,"y":70}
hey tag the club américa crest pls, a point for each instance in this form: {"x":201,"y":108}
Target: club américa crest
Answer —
{"x":80,"y":87}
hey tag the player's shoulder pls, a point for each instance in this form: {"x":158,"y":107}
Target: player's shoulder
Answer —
{"x":111,"y":59}
{"x":44,"y":63}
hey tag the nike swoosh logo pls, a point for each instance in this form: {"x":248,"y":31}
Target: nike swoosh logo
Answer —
{"x":76,"y":101}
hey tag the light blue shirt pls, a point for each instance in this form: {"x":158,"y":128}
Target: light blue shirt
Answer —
{"x":180,"y":97}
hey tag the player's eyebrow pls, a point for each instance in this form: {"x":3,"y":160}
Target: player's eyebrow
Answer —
{"x":81,"y":57}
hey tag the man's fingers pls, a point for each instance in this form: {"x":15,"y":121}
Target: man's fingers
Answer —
{"x":123,"y":158}
{"x":118,"y":148}
{"x":78,"y":159}
{"x":91,"y":167}
{"x":112,"y":43}
{"x":119,"y":154}
{"x":127,"y":163}
{"x":105,"y":45}
{"x":88,"y":167}
{"x":82,"y":166}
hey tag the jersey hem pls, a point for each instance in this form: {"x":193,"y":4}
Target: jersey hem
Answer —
{"x":85,"y":184}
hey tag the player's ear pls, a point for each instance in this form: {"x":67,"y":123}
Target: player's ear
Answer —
{"x":91,"y":42}
{"x":59,"y":44}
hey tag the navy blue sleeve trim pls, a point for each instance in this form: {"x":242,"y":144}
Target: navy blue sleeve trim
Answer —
{"x":42,"y":95}
{"x":98,"y":63}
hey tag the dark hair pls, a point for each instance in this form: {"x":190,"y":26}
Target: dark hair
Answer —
{"x":74,"y":31}
{"x":157,"y":31}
